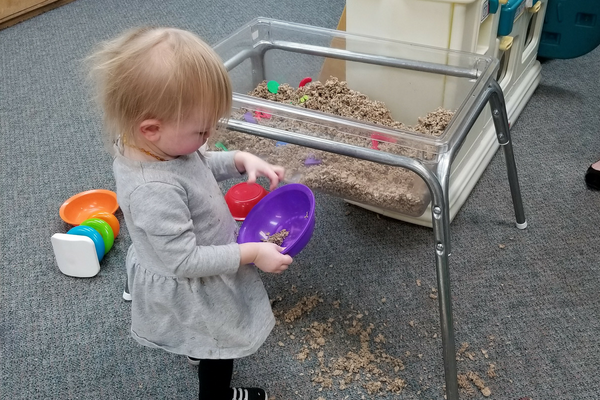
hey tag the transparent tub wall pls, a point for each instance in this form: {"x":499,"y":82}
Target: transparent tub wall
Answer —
{"x":409,"y":94}
{"x":350,"y":178}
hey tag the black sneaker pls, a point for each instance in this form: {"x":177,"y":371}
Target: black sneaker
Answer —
{"x":248,"y":394}
{"x":592,"y":178}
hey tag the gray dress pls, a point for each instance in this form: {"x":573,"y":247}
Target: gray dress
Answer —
{"x":190,"y":296}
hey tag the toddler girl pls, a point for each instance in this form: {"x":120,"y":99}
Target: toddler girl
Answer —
{"x":194,"y":291}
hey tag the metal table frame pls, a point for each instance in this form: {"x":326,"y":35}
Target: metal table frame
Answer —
{"x":436,"y":178}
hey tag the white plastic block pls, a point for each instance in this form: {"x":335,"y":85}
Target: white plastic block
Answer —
{"x":75,"y":255}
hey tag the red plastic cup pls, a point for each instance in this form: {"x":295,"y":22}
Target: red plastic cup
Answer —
{"x":242,"y":197}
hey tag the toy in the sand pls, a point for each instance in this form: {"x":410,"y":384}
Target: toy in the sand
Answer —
{"x":311,"y":160}
{"x":376,"y":138}
{"x":261,"y":114}
{"x":273,"y":86}
{"x":304,"y":81}
{"x":221,"y":146}
{"x":250,"y":118}
{"x":291,"y":208}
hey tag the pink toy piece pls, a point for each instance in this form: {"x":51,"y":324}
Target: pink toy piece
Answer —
{"x":376,"y":137}
{"x":305,"y":81}
{"x":261,"y":114}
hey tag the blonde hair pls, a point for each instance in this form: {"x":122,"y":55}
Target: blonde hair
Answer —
{"x":157,"y":73}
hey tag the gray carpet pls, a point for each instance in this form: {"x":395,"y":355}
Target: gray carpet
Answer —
{"x":532,"y":306}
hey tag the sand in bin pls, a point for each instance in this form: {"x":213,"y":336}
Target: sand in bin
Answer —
{"x":277,"y":238}
{"x":389,"y":188}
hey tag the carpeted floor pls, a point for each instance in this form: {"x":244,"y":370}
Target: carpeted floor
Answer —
{"x":524,"y":301}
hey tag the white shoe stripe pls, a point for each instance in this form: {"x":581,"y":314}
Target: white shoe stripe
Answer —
{"x":242,"y":394}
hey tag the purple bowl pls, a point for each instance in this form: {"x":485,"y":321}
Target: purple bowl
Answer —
{"x":290,"y":207}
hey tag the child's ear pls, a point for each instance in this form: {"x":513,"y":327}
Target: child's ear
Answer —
{"x":150,"y":129}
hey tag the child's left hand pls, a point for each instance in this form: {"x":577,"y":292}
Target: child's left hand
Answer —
{"x":255,"y":167}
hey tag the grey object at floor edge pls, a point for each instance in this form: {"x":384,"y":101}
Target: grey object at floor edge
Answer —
{"x":437,"y":180}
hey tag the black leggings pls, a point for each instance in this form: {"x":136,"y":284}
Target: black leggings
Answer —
{"x":215,"y":379}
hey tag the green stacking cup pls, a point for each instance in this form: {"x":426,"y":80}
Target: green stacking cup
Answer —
{"x":104,"y":229}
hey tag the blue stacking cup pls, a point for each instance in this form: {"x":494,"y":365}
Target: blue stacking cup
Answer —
{"x":93,"y":234}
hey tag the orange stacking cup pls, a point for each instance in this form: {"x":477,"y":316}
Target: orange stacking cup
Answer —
{"x":78,"y":208}
{"x":109,"y":219}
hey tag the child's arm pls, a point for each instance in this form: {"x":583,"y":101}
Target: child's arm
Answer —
{"x":163,"y":235}
{"x":222,"y":164}
{"x":255,"y":167}
{"x":266,"y":256}
{"x":162,"y":221}
{"x":228,"y":164}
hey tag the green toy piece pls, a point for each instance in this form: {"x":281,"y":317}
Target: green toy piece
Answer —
{"x":273,"y":86}
{"x":304,"y":98}
{"x":104,"y":229}
{"x":221,"y":146}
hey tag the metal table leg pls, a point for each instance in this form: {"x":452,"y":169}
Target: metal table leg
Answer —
{"x":503,"y":132}
{"x":440,"y":219}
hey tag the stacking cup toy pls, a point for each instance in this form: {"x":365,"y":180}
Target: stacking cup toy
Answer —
{"x":80,"y":206}
{"x":92,"y":234}
{"x":109,"y":219}
{"x":104,"y":229}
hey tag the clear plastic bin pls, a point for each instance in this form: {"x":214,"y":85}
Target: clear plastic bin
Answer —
{"x":422,"y":80}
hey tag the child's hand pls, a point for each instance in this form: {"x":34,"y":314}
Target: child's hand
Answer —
{"x":255,"y":167}
{"x":266,"y":256}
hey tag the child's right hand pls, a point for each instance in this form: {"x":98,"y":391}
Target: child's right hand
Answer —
{"x":266,"y":256}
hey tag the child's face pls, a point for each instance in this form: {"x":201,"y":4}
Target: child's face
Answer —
{"x":183,"y":138}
